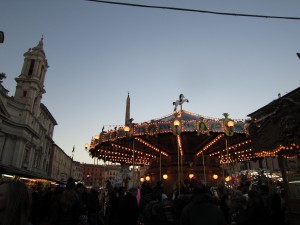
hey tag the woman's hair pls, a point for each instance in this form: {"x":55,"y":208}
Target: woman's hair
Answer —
{"x":18,"y":203}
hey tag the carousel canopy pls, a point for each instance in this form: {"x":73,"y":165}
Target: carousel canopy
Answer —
{"x":187,"y":133}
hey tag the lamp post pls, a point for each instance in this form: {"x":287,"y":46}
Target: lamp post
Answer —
{"x":204,"y":172}
{"x":229,"y":131}
{"x":176,"y":124}
{"x":160,"y":165}
{"x":128,"y":130}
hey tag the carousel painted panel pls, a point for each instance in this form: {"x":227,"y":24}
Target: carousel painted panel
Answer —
{"x":189,"y":126}
{"x":202,"y":127}
{"x":121,"y":133}
{"x":164,"y":127}
{"x":239,"y":127}
{"x":105,"y":137}
{"x":152,"y":129}
{"x":140,"y":129}
{"x":113,"y":135}
{"x":216,"y":126}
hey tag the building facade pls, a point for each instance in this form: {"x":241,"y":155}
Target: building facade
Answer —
{"x":61,"y":165}
{"x":77,"y":171}
{"x":26,"y":125}
{"x":93,"y":175}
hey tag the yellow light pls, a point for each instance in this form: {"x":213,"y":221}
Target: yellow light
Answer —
{"x":142,"y":179}
{"x":230,"y":123}
{"x":165,"y":176}
{"x":215,"y":176}
{"x":176,"y":123}
{"x":191,"y":175}
{"x":147,"y":178}
{"x":228,"y":178}
{"x":86,"y":145}
{"x":126,"y":128}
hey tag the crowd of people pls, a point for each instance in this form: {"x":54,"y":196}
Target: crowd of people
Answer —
{"x":148,"y":204}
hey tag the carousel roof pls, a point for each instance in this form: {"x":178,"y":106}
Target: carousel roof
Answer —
{"x":194,"y":136}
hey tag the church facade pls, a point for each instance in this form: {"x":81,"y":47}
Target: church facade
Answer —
{"x":26,"y":125}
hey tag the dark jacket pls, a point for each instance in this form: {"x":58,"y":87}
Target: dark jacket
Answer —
{"x":202,"y":210}
{"x":127,"y":211}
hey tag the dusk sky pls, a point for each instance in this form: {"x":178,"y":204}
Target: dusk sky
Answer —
{"x":99,"y":52}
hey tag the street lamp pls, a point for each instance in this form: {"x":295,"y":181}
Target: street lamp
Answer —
{"x":229,"y":131}
{"x":126,"y":129}
{"x":148,"y":178}
{"x":228,"y":178}
{"x":215,"y":176}
{"x":176,"y":124}
{"x":230,"y":123}
{"x":191,"y":175}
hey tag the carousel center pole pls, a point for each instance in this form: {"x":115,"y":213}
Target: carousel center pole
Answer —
{"x":204,"y":173}
{"x":133,"y":166}
{"x":178,"y":166}
{"x":160,"y":165}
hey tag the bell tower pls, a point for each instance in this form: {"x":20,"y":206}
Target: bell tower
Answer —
{"x":30,"y":83}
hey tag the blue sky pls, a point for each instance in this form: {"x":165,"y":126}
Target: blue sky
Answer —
{"x":98,"y":52}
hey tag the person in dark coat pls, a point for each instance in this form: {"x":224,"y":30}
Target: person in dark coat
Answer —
{"x":256,"y":212}
{"x":69,"y":205}
{"x":93,"y":206}
{"x":201,"y":209}
{"x":128,"y":211}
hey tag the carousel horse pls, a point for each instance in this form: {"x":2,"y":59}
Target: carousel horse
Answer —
{"x":181,"y":100}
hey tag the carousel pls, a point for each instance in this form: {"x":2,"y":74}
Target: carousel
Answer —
{"x":185,"y":145}
{"x":176,"y":147}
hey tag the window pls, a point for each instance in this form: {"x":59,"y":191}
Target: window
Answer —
{"x":31,"y":67}
{"x":24,"y":93}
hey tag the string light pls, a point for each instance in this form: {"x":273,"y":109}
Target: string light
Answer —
{"x":151,"y":146}
{"x":210,"y":144}
{"x":179,"y":144}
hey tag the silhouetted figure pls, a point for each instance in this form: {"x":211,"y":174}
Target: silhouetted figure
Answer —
{"x":128,"y":212}
{"x":15,"y":203}
{"x":82,"y":194}
{"x":69,"y":205}
{"x":93,"y":207}
{"x":146,"y":195}
{"x":238,"y":207}
{"x":114,"y":201}
{"x":201,"y":209}
{"x":256,"y":213}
